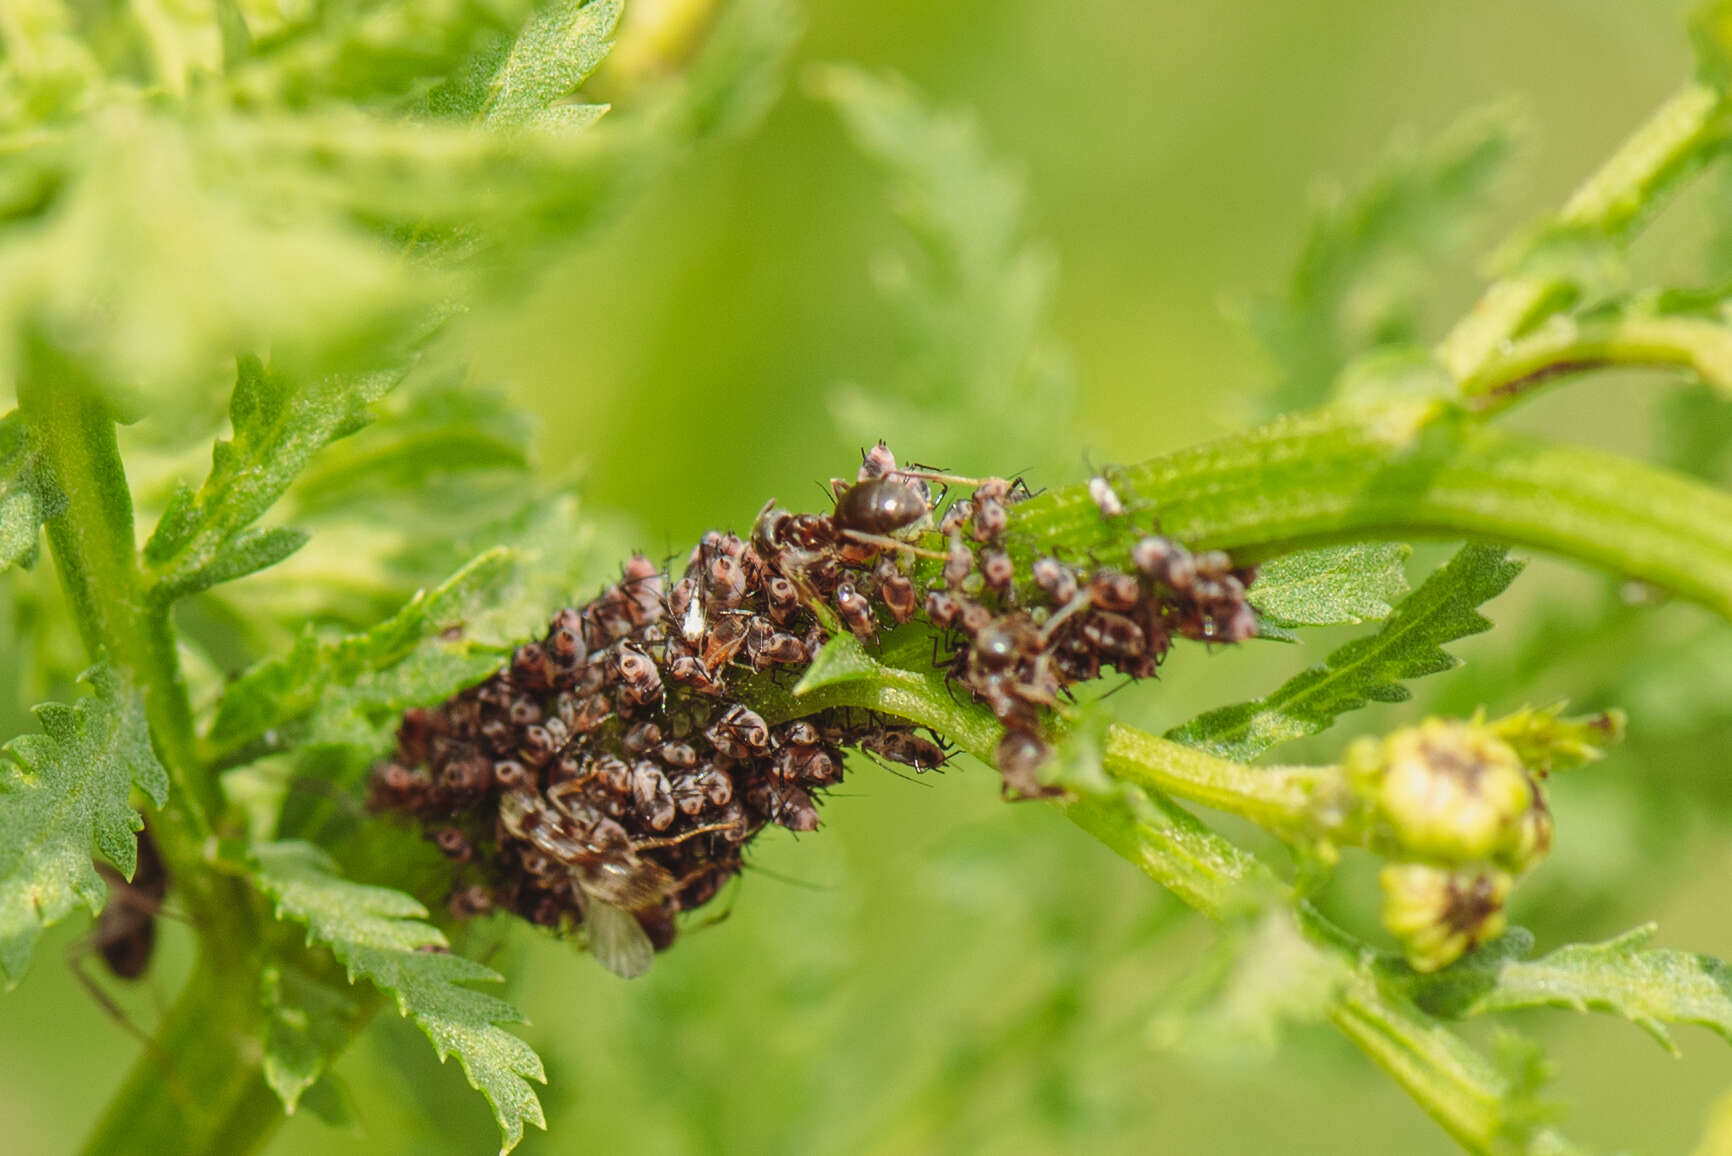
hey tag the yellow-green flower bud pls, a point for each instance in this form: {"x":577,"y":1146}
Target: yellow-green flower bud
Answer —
{"x":1439,"y":913}
{"x":1454,"y":791}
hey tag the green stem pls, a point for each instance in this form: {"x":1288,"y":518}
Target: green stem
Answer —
{"x":1211,"y":874}
{"x":1401,"y":471}
{"x":1676,"y":141}
{"x":200,"y":1091}
{"x":1519,"y":369}
{"x":73,"y":428}
{"x":196,"y":1086}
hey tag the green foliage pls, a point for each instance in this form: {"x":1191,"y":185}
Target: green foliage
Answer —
{"x":554,"y":53}
{"x":970,"y":298}
{"x":1372,"y":669}
{"x":205,"y":538}
{"x":349,"y":689}
{"x":64,"y":796}
{"x":27,"y":496}
{"x":1650,"y":987}
{"x":377,"y":934}
{"x":1333,"y":586}
{"x":1356,"y":288}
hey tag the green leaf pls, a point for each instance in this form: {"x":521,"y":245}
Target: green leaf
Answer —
{"x":307,"y":1021}
{"x":1332,"y":586}
{"x":1262,"y":975}
{"x":843,"y":659}
{"x":971,"y":295}
{"x":1357,"y":284}
{"x":63,"y":797}
{"x":377,"y":934}
{"x":1409,"y":645}
{"x":1650,"y":987}
{"x":28,"y":496}
{"x":347,"y":690}
{"x":279,"y":424}
{"x":554,"y":53}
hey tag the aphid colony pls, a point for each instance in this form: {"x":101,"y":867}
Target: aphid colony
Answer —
{"x":610,"y":776}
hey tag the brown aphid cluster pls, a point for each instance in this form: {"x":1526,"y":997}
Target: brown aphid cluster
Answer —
{"x":606,"y":778}
{"x":609,"y":777}
{"x":1022,"y":644}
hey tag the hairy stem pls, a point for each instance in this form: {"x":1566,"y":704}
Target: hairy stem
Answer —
{"x":188,"y":1079}
{"x":1676,"y":140}
{"x":1454,"y":1084}
{"x":1403,"y":471}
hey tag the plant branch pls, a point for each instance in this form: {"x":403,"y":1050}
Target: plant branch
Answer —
{"x":1402,"y":471}
{"x":1671,"y":145}
{"x":1454,"y":1084}
{"x":1518,"y":369}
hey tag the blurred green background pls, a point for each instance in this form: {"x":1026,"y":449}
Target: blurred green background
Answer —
{"x":935,"y":971}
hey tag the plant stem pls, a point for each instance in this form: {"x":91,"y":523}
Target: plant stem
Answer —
{"x":1518,"y":369}
{"x":195,"y":1086}
{"x":1672,"y":144}
{"x":1213,"y":875}
{"x":210,"y":1098}
{"x":1401,"y":471}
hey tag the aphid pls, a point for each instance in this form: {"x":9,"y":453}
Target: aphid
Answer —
{"x":724,"y":583}
{"x":956,"y":516}
{"x":1114,"y":590}
{"x":958,"y":561}
{"x":529,"y":667}
{"x":688,"y":670}
{"x":641,"y":682}
{"x":125,"y":933}
{"x":582,"y":715}
{"x":687,"y":609}
{"x":1055,"y":579}
{"x":799,"y":733}
{"x":784,"y":804}
{"x":973,"y":617}
{"x":723,"y":642}
{"x":641,"y":737}
{"x":905,"y":747}
{"x":649,"y":790}
{"x":642,"y":584}
{"x":944,"y":610}
{"x":878,"y":506}
{"x":1105,"y":500}
{"x":782,"y":598}
{"x":1214,"y":564}
{"x":1114,"y":635}
{"x":806,"y":764}
{"x":990,"y":518}
{"x":896,"y":589}
{"x":856,"y":611}
{"x":997,"y":569}
{"x":470,"y":902}
{"x":739,"y":733}
{"x":509,"y":774}
{"x":453,"y":845}
{"x":677,"y":754}
{"x":766,"y":647}
{"x":1019,"y":756}
{"x":876,"y":462}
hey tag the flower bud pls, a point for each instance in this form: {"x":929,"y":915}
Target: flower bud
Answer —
{"x":1440,"y":913}
{"x":1453,"y":791}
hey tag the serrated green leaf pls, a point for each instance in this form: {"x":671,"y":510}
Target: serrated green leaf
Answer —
{"x":1262,"y":975}
{"x":344,"y":690}
{"x":1332,"y":586}
{"x":377,"y":934}
{"x":970,"y":296}
{"x":1356,"y":285}
{"x":1650,"y":987}
{"x":555,"y":52}
{"x":1409,"y":645}
{"x":27,"y":496}
{"x":306,"y":1022}
{"x":63,"y":797}
{"x":279,"y":424}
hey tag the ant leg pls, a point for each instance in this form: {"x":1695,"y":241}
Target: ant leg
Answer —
{"x":886,"y":543}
